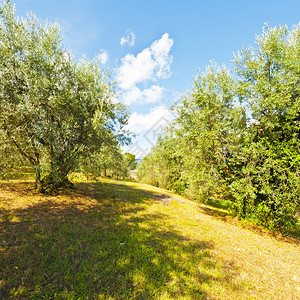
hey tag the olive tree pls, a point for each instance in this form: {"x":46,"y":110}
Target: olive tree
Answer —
{"x":51,"y":106}
{"x":267,"y":185}
{"x":210,"y":121}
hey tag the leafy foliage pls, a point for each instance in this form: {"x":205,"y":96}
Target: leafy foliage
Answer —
{"x":237,"y":134}
{"x":130,"y":158}
{"x":52,"y":108}
{"x":267,"y":185}
{"x":193,"y":157}
{"x":108,"y":161}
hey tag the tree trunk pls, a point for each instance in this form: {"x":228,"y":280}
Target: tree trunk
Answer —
{"x":58,"y":177}
{"x":54,"y":181}
{"x":37,"y":176}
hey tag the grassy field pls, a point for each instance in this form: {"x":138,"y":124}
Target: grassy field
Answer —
{"x":124,"y":240}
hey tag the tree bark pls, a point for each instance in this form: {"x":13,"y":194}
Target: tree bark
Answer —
{"x":54,"y":181}
{"x":37,"y":176}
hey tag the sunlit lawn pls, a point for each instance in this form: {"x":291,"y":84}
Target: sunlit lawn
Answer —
{"x":122,"y":240}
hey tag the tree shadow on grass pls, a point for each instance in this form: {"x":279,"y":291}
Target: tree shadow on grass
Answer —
{"x":25,"y":189}
{"x":220,"y":212}
{"x":211,"y":211}
{"x":99,"y":243}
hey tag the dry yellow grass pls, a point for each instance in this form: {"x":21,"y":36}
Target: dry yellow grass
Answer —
{"x":268,"y":264}
{"x":215,"y":251}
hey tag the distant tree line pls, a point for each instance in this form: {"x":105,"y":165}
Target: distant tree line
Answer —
{"x":57,"y":115}
{"x":236,"y":136}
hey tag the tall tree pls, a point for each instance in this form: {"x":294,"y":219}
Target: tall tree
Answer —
{"x":130,"y":158}
{"x":52,"y":106}
{"x":267,"y":185}
{"x":209,"y":127}
{"x":238,"y":134}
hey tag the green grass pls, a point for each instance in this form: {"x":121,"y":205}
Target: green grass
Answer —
{"x":108,"y":240}
{"x":103,"y":251}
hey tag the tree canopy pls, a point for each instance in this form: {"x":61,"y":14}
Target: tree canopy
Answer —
{"x":53,"y":109}
{"x":236,"y":135}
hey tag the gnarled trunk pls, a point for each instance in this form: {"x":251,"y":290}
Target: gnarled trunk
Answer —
{"x":54,"y":181}
{"x":57,"y":178}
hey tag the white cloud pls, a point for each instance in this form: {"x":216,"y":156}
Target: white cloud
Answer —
{"x":154,"y":94}
{"x":102,"y":57}
{"x":151,"y":95}
{"x":151,"y":64}
{"x":128,"y":39}
{"x":160,"y":50}
{"x":135,"y":69}
{"x":155,"y":119}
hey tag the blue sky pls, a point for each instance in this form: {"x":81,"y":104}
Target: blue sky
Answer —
{"x":155,"y":48}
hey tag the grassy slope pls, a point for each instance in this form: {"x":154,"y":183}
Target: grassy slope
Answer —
{"x":124,"y":240}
